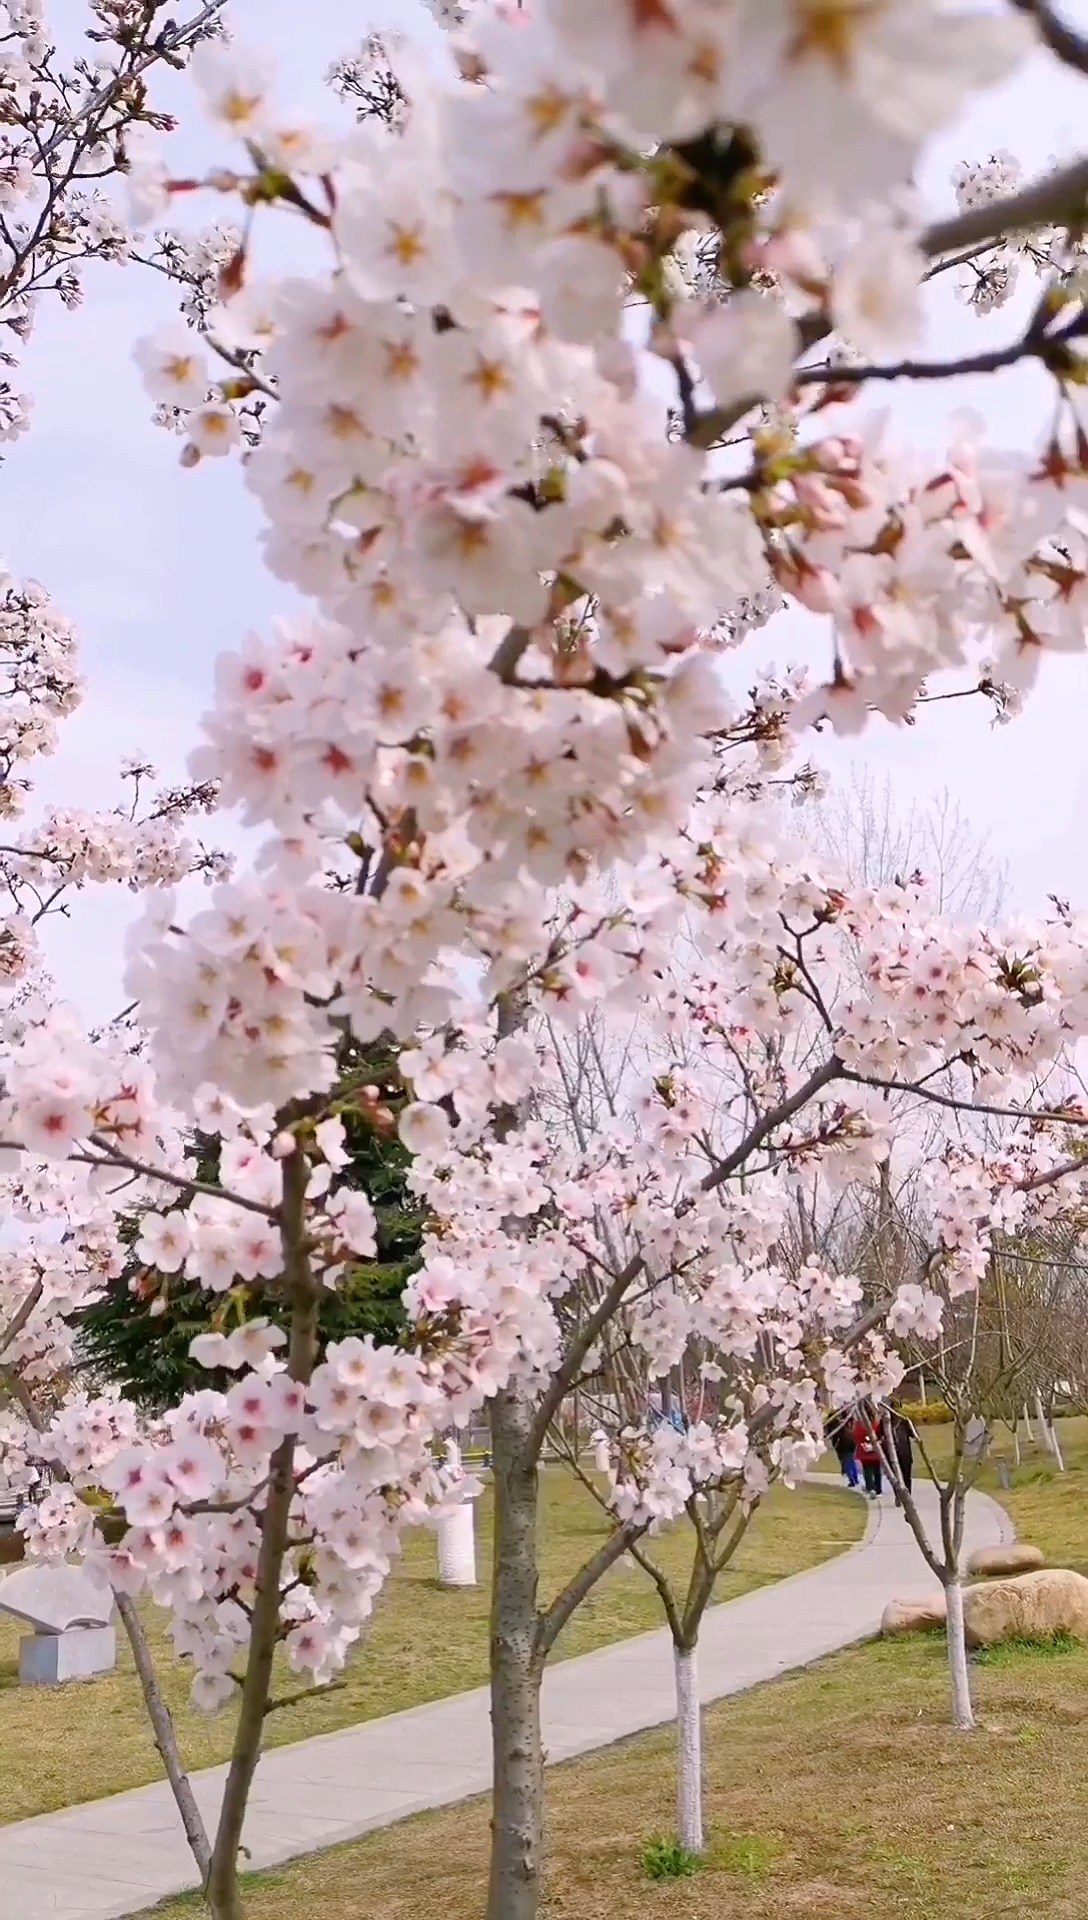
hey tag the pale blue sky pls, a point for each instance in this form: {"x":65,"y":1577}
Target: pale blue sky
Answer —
{"x":160,"y":570}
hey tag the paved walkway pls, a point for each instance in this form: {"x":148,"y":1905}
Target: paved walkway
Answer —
{"x":113,"y":1857}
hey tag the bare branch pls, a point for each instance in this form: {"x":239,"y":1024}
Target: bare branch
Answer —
{"x":1069,"y":46}
{"x":552,"y":1622}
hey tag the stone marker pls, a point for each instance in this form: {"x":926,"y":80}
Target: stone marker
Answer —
{"x":49,"y":1659}
{"x":71,"y":1614}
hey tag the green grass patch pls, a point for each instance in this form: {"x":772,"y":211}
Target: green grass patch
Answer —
{"x":750,"y":1854}
{"x":1047,"y":1646}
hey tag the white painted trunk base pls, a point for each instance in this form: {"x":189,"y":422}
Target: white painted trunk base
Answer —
{"x":689,"y":1751}
{"x":457,"y":1547}
{"x":963,"y":1716}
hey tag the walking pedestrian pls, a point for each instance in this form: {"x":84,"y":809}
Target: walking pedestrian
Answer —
{"x":868,"y":1451}
{"x":840,"y":1438}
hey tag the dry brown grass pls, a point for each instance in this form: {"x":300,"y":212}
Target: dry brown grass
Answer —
{"x":838,"y":1792}
{"x":61,"y":1746}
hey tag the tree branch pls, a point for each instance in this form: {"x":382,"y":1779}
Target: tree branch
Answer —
{"x":172,"y":40}
{"x":822,"y":1076}
{"x":964,"y":1106}
{"x":18,"y":1320}
{"x":551,"y":1623}
{"x":303,"y":1693}
{"x":1057,"y":199}
{"x":665,"y":1593}
{"x":1062,"y":40}
{"x":565,"y":1376}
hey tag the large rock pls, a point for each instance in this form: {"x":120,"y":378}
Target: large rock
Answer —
{"x":913,"y":1616}
{"x":988,"y":1563}
{"x":1033,"y":1607}
{"x":52,"y":1599}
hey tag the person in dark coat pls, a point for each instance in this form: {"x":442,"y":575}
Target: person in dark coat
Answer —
{"x":903,"y":1437}
{"x":840,"y":1438}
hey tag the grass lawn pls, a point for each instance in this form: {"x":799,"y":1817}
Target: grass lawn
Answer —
{"x":60,"y":1746}
{"x":838,"y":1792}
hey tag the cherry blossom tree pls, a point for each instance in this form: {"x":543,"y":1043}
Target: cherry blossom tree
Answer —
{"x":976,"y":1356}
{"x":70,"y":120}
{"x":500,"y":770}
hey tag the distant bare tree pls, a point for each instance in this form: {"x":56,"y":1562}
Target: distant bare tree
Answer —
{"x":861,"y":826}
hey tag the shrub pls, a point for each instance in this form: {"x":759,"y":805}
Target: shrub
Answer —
{"x":667,"y":1860}
{"x":926,"y":1413}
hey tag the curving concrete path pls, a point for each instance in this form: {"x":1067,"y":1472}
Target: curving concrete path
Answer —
{"x":111,"y":1858}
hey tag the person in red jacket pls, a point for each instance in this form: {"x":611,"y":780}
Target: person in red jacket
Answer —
{"x":867,"y":1451}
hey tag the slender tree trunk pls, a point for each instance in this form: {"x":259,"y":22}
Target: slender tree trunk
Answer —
{"x":1016,"y":1453}
{"x":158,"y":1712}
{"x":689,"y":1749}
{"x":165,"y":1738}
{"x":963,"y":1717}
{"x":222,"y":1891}
{"x":517,"y":1666}
{"x":1049,"y":1433}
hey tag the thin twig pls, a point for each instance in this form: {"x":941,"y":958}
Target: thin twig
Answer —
{"x":171,"y":41}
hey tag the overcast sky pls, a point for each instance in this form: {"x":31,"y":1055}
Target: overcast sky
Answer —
{"x":159,"y":568}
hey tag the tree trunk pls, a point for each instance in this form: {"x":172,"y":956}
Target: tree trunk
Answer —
{"x":165,"y":1738}
{"x":1048,"y":1432}
{"x":222,"y":1893}
{"x":962,"y":1713}
{"x":517,"y":1666}
{"x":689,"y":1750}
{"x":1016,"y":1453}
